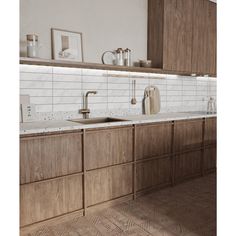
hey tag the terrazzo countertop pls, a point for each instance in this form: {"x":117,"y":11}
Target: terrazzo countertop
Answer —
{"x":39,"y":127}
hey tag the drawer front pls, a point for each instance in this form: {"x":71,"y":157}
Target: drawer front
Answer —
{"x":152,"y":173}
{"x":187,"y":135}
{"x":106,"y":184}
{"x":209,"y":160}
{"x":187,"y":165}
{"x":108,"y":147}
{"x":210,"y":131}
{"x":50,"y":156}
{"x":153,"y":140}
{"x":43,"y":200}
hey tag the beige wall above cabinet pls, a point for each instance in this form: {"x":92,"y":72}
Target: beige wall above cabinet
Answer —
{"x":182,"y":35}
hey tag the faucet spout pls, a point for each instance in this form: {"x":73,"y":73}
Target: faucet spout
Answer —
{"x":85,"y":111}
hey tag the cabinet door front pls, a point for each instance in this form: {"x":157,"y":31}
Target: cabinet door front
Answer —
{"x":177,"y":45}
{"x":108,"y":183}
{"x":187,"y":135}
{"x":209,"y":160}
{"x":187,"y":165}
{"x":108,"y":147}
{"x":46,"y":199}
{"x":153,"y":140}
{"x":210,"y":131}
{"x":50,"y":156}
{"x":152,"y":173}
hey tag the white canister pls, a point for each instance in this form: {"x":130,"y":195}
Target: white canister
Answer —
{"x":32,"y":45}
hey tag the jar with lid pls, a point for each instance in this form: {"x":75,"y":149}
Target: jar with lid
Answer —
{"x":119,"y":57}
{"x":32,"y":45}
{"x":127,"y":57}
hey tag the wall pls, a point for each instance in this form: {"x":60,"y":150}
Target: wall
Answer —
{"x":58,"y":92}
{"x":105,"y":24}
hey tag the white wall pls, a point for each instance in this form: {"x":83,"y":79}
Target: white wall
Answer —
{"x":105,"y":24}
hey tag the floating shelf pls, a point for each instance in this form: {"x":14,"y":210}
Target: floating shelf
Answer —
{"x":97,"y":66}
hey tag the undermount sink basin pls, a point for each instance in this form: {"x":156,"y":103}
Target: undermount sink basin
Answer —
{"x":97,"y":120}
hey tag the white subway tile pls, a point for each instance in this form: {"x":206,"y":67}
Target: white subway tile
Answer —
{"x":66,"y":78}
{"x":66,"y":85}
{"x":43,"y":108}
{"x":66,"y":107}
{"x":67,"y":92}
{"x":35,"y":84}
{"x":94,"y":79}
{"x":118,"y":99}
{"x":37,"y":92}
{"x":35,"y":77}
{"x":66,"y":70}
{"x":94,"y":86}
{"x":41,"y":100}
{"x":87,"y":72}
{"x":118,"y":93}
{"x":35,"y":69}
{"x":67,"y":100}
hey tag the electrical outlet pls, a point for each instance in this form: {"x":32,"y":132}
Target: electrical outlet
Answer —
{"x":28,"y":112}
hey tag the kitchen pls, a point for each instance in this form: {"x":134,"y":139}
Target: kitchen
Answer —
{"x":118,"y":118}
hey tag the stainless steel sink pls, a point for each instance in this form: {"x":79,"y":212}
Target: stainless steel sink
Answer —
{"x":97,"y":120}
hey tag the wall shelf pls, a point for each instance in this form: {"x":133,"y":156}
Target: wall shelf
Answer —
{"x":48,"y":62}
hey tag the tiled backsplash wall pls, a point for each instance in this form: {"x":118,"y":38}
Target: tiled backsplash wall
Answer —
{"x":58,"y":92}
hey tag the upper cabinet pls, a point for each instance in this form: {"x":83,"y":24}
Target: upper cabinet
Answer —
{"x":182,"y":35}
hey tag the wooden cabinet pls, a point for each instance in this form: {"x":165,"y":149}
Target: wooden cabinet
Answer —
{"x":210,"y":131}
{"x":44,"y":157}
{"x":46,"y":199}
{"x":188,"y":134}
{"x":204,"y":37}
{"x":108,"y":147}
{"x":182,"y":35}
{"x":108,"y":183}
{"x":153,"y":140}
{"x":187,"y":165}
{"x":209,"y":158}
{"x":152,"y":173}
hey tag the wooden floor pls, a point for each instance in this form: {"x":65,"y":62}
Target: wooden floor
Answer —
{"x":188,"y":209}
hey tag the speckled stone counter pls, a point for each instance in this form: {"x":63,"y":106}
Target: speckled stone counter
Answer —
{"x":64,"y":125}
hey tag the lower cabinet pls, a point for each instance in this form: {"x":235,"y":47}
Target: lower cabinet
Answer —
{"x":108,"y":183}
{"x":187,"y":165}
{"x":152,"y":173}
{"x":46,"y":199}
{"x":209,"y":158}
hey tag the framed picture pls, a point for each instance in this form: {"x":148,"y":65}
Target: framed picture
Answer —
{"x":67,"y":45}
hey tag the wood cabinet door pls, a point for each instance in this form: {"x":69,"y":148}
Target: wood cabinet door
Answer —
{"x":200,"y":36}
{"x":153,"y":140}
{"x":50,"y":156}
{"x":46,"y":199}
{"x":108,"y":147}
{"x":177,"y":38}
{"x":212,"y":38}
{"x":188,"y":134}
{"x":210,"y":131}
{"x":153,"y":173}
{"x":108,"y":183}
{"x":209,"y":159}
{"x":187,"y":165}
{"x":204,"y":37}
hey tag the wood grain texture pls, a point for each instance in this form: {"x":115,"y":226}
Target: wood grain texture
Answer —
{"x":108,"y":183}
{"x":177,"y":30}
{"x":187,"y":165}
{"x":50,"y":156}
{"x":155,"y":32}
{"x":200,"y":37}
{"x":108,"y":147}
{"x":47,"y":199}
{"x":210,"y":131}
{"x":187,"y":209}
{"x":187,"y":134}
{"x":153,"y":140}
{"x":209,"y":158}
{"x":152,"y":173}
{"x":212,"y":38}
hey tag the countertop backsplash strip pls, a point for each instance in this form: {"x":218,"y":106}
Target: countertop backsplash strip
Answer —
{"x":58,"y":92}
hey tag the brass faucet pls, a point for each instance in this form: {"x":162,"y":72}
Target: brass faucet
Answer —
{"x":85,"y":111}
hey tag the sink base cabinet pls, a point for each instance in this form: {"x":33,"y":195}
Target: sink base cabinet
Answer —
{"x":84,"y":171}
